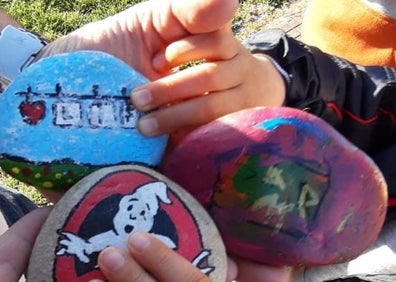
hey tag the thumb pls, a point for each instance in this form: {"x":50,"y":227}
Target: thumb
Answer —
{"x":178,"y":18}
{"x":202,"y":16}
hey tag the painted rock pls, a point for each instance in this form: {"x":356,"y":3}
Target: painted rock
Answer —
{"x":68,"y":115}
{"x":105,"y":207}
{"x":283,"y":187}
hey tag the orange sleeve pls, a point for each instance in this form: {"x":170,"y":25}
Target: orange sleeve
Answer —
{"x":352,"y":30}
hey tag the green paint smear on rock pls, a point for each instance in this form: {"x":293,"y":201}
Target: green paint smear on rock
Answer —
{"x":57,"y":176}
{"x":287,"y":186}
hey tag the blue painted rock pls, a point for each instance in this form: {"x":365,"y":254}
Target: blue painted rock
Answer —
{"x":105,"y":207}
{"x":283,"y":187}
{"x":68,"y":115}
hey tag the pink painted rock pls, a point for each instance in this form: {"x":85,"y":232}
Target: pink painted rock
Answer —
{"x":283,"y":187}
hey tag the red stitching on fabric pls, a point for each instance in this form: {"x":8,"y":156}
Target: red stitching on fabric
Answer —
{"x":388,"y":113}
{"x":391,"y":202}
{"x":339,"y":112}
{"x":334,"y":107}
{"x":358,"y":119}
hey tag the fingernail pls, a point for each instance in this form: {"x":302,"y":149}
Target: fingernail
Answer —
{"x":148,"y":125}
{"x":139,"y":242}
{"x":142,"y":97}
{"x":112,"y":259}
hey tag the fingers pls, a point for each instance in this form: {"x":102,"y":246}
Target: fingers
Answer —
{"x":201,"y":16}
{"x":150,"y":260}
{"x":162,"y":262}
{"x":174,"y":19}
{"x":21,"y":236}
{"x":250,"y":271}
{"x":214,"y":46}
{"x":232,"y":270}
{"x":202,"y":93}
{"x":118,"y":266}
{"x":226,"y":72}
{"x":191,"y":113}
{"x":198,"y":94}
{"x":189,"y":83}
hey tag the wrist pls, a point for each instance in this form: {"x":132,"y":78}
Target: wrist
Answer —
{"x":277,"y":77}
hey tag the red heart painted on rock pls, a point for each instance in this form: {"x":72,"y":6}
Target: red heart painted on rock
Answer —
{"x":32,"y":112}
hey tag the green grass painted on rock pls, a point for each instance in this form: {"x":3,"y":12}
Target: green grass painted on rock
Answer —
{"x":56,"y":176}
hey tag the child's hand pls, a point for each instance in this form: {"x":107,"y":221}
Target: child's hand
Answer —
{"x":138,"y":33}
{"x":230,"y":79}
{"x":155,"y":36}
{"x":250,"y":271}
{"x":148,"y":260}
{"x":17,"y":242}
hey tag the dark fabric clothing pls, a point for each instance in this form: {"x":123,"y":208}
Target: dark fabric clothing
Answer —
{"x":14,"y":205}
{"x":360,"y":102}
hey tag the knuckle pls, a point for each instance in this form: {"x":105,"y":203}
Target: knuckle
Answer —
{"x":163,"y":258}
{"x":138,"y":276}
{"x":229,"y":48}
{"x":209,"y":73}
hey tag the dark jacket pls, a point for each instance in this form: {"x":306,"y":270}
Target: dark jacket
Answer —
{"x":360,"y":102}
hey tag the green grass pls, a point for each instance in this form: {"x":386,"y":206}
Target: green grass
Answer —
{"x":54,"y":18}
{"x":27,"y":190}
